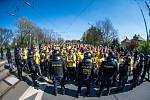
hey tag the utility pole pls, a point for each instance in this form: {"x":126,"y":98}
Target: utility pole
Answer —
{"x":148,"y":12}
{"x":144,"y":20}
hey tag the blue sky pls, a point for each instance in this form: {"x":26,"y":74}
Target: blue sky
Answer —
{"x":70,"y":18}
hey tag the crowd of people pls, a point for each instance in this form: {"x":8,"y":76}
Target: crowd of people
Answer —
{"x":85,"y":64}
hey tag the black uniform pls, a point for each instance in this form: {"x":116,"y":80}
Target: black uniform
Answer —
{"x":32,"y":68}
{"x":58,"y":70}
{"x":106,"y":72}
{"x":85,"y":73}
{"x":9,"y":58}
{"x":123,"y":73}
{"x":2,"y":53}
{"x":137,"y":71}
{"x":146,"y":68}
{"x":18,"y":62}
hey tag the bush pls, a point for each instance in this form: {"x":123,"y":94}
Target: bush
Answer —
{"x":144,"y":48}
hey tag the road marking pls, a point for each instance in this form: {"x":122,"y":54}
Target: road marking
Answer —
{"x":3,"y":62}
{"x":12,"y":80}
{"x":31,"y":91}
{"x":41,"y":91}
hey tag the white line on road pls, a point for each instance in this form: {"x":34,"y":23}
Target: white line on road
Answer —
{"x":3,"y":62}
{"x":12,"y":80}
{"x":31,"y":91}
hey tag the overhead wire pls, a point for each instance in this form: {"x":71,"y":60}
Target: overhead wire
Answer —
{"x":32,"y":6}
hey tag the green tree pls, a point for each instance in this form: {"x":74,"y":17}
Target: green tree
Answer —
{"x":115,"y":43}
{"x":103,"y":33}
{"x":144,"y":47}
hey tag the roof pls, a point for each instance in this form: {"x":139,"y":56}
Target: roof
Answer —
{"x":125,"y":40}
{"x":138,"y":37}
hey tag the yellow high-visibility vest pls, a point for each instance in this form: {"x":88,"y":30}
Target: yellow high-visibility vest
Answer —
{"x":25,"y":54}
{"x":71,"y":58}
{"x":37,"y":57}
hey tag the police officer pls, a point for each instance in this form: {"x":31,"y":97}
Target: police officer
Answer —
{"x":123,"y":73}
{"x":1,"y":50}
{"x":58,"y":70}
{"x":9,"y":58}
{"x":146,"y":67}
{"x":139,"y":65}
{"x":85,"y":73}
{"x":32,"y":67}
{"x":18,"y":62}
{"x":106,"y":73}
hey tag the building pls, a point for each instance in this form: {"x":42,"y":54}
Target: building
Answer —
{"x":134,"y":42}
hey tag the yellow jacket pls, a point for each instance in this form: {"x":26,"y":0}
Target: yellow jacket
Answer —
{"x":37,"y":57}
{"x":43,"y":57}
{"x":25,"y":54}
{"x":71,"y":60}
{"x":80,"y":56}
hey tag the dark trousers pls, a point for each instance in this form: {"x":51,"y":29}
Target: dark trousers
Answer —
{"x":33,"y":72}
{"x":42,"y":66}
{"x":25,"y":65}
{"x":146,"y":70}
{"x":82,"y":83}
{"x":71,"y":73}
{"x":136,"y":75}
{"x":105,"y":83}
{"x":122,"y":82}
{"x":59,"y":81}
{"x":19,"y":69}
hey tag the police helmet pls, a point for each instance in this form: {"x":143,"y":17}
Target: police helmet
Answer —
{"x":55,"y":53}
{"x":111,"y":54}
{"x":87,"y":55}
{"x":127,"y":58}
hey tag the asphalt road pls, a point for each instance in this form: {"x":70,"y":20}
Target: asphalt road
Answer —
{"x":25,"y":91}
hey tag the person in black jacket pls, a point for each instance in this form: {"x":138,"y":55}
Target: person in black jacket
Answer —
{"x":9,"y":59}
{"x":58,"y":70}
{"x":106,"y":72}
{"x":32,"y":68}
{"x":123,"y":73}
{"x":85,"y":73}
{"x":139,"y":65}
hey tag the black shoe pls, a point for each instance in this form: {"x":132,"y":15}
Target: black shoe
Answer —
{"x":55,"y":93}
{"x":77,"y":95}
{"x":20,"y":78}
{"x":63,"y":92}
{"x":36,"y":85}
{"x":87,"y":94}
{"x":98,"y":94}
